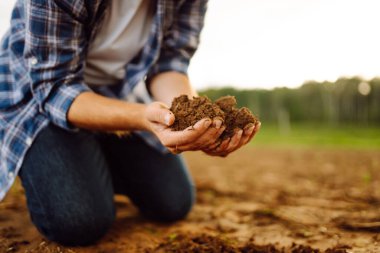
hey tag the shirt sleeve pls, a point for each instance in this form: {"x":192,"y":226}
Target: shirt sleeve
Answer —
{"x":182,"y":39}
{"x":54,"y":54}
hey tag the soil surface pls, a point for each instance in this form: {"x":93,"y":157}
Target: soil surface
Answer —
{"x":188,"y":111}
{"x":206,"y":243}
{"x":256,"y":200}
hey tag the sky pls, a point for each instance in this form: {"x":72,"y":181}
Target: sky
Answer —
{"x":271,"y":43}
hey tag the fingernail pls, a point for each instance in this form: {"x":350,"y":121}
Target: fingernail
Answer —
{"x":240,"y":133}
{"x":249,"y":127}
{"x":167,"y":119}
{"x":250,"y":130}
{"x":217,"y":124}
{"x":207,"y":123}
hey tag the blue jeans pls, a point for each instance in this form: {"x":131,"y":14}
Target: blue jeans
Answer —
{"x":70,"y":180}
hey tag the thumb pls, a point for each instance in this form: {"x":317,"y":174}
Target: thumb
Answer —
{"x":161,"y":115}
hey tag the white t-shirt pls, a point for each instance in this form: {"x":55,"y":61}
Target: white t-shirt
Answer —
{"x":124,"y":31}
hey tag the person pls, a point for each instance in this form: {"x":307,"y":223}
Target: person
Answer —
{"x":68,"y":72}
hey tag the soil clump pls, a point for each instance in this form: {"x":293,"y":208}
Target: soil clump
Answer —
{"x":188,"y":111}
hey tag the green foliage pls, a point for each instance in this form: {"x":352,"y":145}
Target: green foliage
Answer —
{"x":337,"y":103}
{"x":319,"y":135}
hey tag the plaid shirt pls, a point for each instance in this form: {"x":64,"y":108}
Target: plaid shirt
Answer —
{"x":42,"y":58}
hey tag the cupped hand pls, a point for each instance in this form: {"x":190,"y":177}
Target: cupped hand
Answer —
{"x":198,"y":137}
{"x":239,"y":139}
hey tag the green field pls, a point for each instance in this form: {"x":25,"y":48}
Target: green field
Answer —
{"x":309,"y":135}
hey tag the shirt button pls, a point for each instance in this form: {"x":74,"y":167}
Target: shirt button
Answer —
{"x":33,"y":61}
{"x":11,"y":175}
{"x":28,"y":141}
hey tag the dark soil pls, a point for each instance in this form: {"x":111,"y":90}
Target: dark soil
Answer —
{"x":188,"y":111}
{"x":257,"y":200}
{"x":234,"y":117}
{"x":213,"y":244}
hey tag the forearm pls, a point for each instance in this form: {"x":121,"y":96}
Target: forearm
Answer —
{"x":95,"y":112}
{"x":168,"y":85}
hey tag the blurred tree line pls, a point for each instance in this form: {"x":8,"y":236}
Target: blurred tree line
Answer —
{"x":345,"y":101}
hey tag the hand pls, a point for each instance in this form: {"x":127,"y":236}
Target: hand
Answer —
{"x":239,"y":139}
{"x":200,"y":136}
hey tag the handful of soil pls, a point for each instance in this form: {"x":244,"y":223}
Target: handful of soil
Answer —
{"x":188,"y":111}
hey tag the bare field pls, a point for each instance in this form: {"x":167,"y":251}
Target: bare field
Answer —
{"x":312,"y":197}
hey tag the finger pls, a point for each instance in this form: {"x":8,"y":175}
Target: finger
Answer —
{"x":257,"y":126}
{"x":213,"y":146}
{"x":234,"y":143}
{"x":160,"y":115}
{"x":218,"y":140}
{"x":206,"y":139}
{"x":181,"y":138}
{"x":212,"y":134}
{"x":219,"y":150}
{"x":212,"y":153}
{"x":255,"y":131}
{"x":175,"y":151}
{"x":209,"y":137}
{"x":218,"y":134}
{"x":217,"y":123}
{"x":223,"y":145}
{"x":227,"y":146}
{"x":247,"y":134}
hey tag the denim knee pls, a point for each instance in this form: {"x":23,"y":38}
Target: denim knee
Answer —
{"x":76,"y":229}
{"x":176,"y":211}
{"x":172,"y":207}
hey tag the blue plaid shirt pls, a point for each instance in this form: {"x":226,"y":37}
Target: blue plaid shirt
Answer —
{"x":43,"y":55}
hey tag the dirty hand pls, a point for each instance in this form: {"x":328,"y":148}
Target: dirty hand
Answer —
{"x":198,"y":137}
{"x":239,"y":139}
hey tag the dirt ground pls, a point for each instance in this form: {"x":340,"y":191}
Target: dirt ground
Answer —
{"x":316,"y":198}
